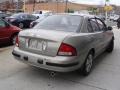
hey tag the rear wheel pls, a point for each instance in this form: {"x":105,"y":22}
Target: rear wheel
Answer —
{"x":87,"y":66}
{"x":110,"y":46}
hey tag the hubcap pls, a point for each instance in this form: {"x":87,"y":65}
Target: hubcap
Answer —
{"x":21,"y":25}
{"x":89,"y":63}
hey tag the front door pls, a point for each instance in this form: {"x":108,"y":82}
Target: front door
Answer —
{"x":4,"y":32}
{"x":98,"y":36}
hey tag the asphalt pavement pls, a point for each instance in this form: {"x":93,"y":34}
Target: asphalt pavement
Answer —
{"x":15,"y":75}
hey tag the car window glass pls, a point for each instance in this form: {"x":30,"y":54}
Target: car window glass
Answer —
{"x":31,"y":17}
{"x":60,"y":23}
{"x":23,"y":16}
{"x":15,"y":16}
{"x":101,"y":25}
{"x":64,"y":21}
{"x":89,"y":27}
{"x":2,"y":23}
{"x":94,"y":25}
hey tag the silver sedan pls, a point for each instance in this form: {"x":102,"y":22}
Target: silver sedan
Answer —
{"x":64,"y":43}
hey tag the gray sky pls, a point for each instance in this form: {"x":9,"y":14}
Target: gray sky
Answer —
{"x":98,"y":2}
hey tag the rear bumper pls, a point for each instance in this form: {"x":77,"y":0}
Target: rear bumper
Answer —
{"x":58,"y":63}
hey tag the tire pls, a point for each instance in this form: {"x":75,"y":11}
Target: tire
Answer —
{"x":21,"y":25}
{"x":13,"y":39}
{"x":87,"y":66}
{"x":110,"y":46}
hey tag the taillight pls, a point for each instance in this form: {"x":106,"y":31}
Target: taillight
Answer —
{"x":31,"y":24}
{"x":66,"y":50}
{"x":17,"y":41}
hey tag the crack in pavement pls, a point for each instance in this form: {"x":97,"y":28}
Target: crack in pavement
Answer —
{"x":13,"y":74}
{"x":83,"y":83}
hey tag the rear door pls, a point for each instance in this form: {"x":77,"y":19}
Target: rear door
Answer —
{"x":4,"y":32}
{"x":107,"y":33}
{"x":98,"y":35}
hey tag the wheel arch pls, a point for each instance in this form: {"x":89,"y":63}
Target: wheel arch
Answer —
{"x":15,"y":33}
{"x":93,"y":51}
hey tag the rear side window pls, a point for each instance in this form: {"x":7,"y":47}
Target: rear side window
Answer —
{"x":89,"y":27}
{"x":101,"y":25}
{"x":95,"y":26}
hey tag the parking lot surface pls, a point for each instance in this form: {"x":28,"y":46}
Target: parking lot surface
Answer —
{"x":15,"y":75}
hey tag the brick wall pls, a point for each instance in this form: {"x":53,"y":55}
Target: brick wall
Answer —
{"x":60,"y":7}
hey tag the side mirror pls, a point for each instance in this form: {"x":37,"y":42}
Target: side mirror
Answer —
{"x":109,"y":28}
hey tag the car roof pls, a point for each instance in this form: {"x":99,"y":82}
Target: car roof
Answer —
{"x":76,"y":14}
{"x":43,"y":10}
{"x":21,"y":13}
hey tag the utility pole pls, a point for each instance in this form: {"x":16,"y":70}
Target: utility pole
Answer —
{"x":107,"y":3}
{"x":17,"y":7}
{"x":24,"y":6}
{"x":33,"y":5}
{"x":57,"y":6}
{"x":12,"y":4}
{"x":66,"y":3}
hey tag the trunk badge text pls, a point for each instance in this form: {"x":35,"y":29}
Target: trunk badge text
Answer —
{"x":44,"y":45}
{"x":36,"y":44}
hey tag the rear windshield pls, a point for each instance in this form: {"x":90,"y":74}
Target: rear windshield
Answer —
{"x":66,"y":23}
{"x":17,"y":15}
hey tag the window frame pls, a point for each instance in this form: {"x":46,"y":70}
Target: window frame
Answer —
{"x":98,"y":25}
{"x":104,"y":25}
{"x":89,"y":26}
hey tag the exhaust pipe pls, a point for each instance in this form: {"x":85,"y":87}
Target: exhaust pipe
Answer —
{"x":52,"y":74}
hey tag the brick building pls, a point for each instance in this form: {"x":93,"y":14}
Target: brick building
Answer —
{"x":51,"y":5}
{"x":57,"y":7}
{"x":11,"y":4}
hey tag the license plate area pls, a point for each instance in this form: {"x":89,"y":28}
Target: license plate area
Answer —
{"x":35,"y":44}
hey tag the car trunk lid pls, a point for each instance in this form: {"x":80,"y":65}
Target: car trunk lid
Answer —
{"x":44,"y":42}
